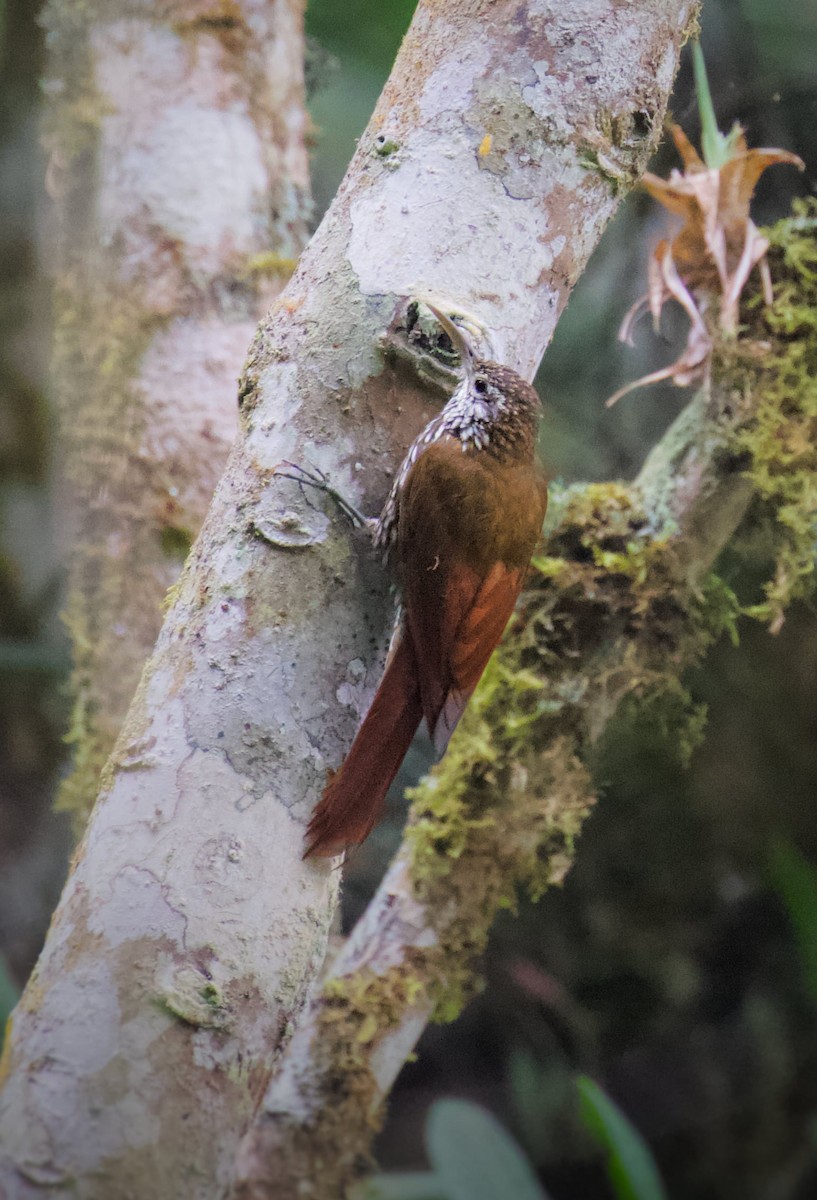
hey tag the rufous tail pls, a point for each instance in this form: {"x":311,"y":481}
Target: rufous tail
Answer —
{"x":352,"y":801}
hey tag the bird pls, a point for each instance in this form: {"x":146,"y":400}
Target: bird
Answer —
{"x":458,"y":530}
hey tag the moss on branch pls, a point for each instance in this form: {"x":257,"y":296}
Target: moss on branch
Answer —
{"x":780,"y":438}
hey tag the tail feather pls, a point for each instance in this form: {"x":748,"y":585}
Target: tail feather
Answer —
{"x":353,"y":800}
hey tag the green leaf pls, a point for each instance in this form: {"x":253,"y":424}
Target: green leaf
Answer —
{"x":715,"y":147}
{"x":474,"y":1158}
{"x":631,"y":1167}
{"x":794,"y":879}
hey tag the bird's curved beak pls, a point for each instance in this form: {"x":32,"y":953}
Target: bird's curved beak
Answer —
{"x":469,"y":336}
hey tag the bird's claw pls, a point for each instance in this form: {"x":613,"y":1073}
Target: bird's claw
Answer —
{"x":316,"y":478}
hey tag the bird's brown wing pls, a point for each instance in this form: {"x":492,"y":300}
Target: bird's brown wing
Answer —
{"x":480,"y":627}
{"x":458,"y":595}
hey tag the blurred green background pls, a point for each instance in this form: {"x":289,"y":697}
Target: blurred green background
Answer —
{"x":674,"y":966}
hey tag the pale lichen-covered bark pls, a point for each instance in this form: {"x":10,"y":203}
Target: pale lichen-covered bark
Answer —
{"x":178,"y":169}
{"x":190,"y":928}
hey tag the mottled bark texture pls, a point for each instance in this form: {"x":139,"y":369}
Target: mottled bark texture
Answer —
{"x":190,"y":928}
{"x":179,"y":174}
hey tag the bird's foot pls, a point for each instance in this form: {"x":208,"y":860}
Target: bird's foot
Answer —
{"x":316,"y":478}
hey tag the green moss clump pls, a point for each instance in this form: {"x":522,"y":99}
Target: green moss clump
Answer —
{"x":384,"y":147}
{"x":499,"y":813}
{"x":356,"y":1011}
{"x":78,"y":790}
{"x":90,"y":744}
{"x":360,"y":1008}
{"x":447,"y":814}
{"x":5,"y":1052}
{"x":781,"y":437}
{"x":608,"y":572}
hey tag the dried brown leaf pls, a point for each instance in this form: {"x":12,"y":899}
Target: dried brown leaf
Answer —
{"x":706,"y":266}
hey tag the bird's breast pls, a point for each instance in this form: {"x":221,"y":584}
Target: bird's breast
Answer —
{"x":468,"y":506}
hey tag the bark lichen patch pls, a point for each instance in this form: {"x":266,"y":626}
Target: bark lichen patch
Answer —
{"x":191,"y":994}
{"x":174,"y":159}
{"x":387,"y":150}
{"x":402,"y":102}
{"x":511,"y":141}
{"x":287,"y":530}
{"x":385,"y":254}
{"x":133,"y":889}
{"x":448,"y":84}
{"x":340,"y":338}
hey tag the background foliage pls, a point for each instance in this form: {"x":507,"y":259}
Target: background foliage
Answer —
{"x":676,"y":965}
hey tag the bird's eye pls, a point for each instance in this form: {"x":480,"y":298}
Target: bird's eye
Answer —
{"x":480,"y":386}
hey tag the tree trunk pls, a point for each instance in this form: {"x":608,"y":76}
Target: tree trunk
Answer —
{"x":179,"y":174}
{"x":191,"y":928}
